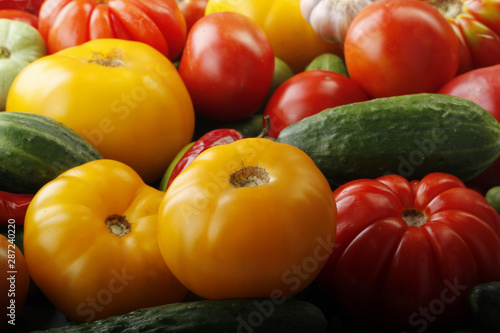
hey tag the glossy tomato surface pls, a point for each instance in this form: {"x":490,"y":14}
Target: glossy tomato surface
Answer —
{"x":293,"y":38}
{"x":396,"y":47}
{"x":124,"y":97}
{"x":308,"y":93}
{"x":409,"y":251}
{"x":160,"y":24}
{"x":30,"y":6}
{"x":481,"y":86}
{"x":227,"y":66}
{"x":192,"y":10}
{"x":20,"y":15}
{"x":90,"y":243}
{"x":251,"y":218}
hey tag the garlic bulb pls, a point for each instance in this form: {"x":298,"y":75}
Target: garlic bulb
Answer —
{"x":331,"y":18}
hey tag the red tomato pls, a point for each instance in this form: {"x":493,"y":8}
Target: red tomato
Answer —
{"x":192,"y":10}
{"x":30,"y":6}
{"x":19,"y":15}
{"x":407,"y":253}
{"x":481,"y":86}
{"x":308,"y":93}
{"x":158,"y":23}
{"x":397,"y":47}
{"x":477,"y":27}
{"x":227,"y":66}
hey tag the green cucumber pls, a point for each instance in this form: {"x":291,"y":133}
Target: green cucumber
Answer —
{"x":203,"y":316}
{"x":484,"y":305}
{"x":35,"y":149}
{"x":410,"y":135}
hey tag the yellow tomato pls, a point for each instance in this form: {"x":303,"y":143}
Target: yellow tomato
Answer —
{"x":293,"y":39}
{"x":90,"y":243}
{"x":252,"y":218}
{"x":124,"y":97}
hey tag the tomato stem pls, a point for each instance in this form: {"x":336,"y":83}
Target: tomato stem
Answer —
{"x":4,"y":52}
{"x":250,"y":176}
{"x":106,"y":61}
{"x":448,"y":8}
{"x":414,"y":217}
{"x":118,"y":225}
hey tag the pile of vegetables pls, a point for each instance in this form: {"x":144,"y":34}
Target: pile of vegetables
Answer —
{"x":250,"y":166}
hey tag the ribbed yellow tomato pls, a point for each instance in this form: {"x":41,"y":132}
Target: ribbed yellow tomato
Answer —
{"x":293,"y":39}
{"x":124,"y":97}
{"x":252,"y":218}
{"x":90,"y":243}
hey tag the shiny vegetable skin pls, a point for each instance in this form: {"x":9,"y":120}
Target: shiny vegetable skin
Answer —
{"x":13,"y":206}
{"x":234,"y":315}
{"x":213,"y":138}
{"x":405,"y":248}
{"x":484,"y":299}
{"x":410,"y":135}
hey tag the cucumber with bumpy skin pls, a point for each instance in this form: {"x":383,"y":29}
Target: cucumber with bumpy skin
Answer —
{"x":35,"y":149}
{"x":484,"y":305}
{"x":410,"y":135}
{"x":258,"y":315}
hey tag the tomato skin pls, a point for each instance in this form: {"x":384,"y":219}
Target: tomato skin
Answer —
{"x":465,"y":58}
{"x":14,"y":280}
{"x":117,"y":273}
{"x":122,"y":111}
{"x":227,"y":241}
{"x":227,"y":66}
{"x":388,"y":272}
{"x":160,"y":24}
{"x":20,"y":15}
{"x":481,"y":86}
{"x":219,"y":136}
{"x":397,"y":47}
{"x":192,"y":10}
{"x":308,"y":93}
{"x":30,"y":6}
{"x":293,"y":39}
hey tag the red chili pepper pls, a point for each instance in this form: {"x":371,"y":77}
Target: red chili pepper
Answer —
{"x":213,"y":138}
{"x":13,"y":207}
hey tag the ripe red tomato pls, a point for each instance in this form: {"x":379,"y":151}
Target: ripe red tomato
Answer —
{"x":20,"y":15}
{"x":407,"y":253}
{"x":396,"y":47}
{"x":158,"y":23}
{"x":308,"y":93}
{"x":30,"y":6}
{"x":477,"y":27}
{"x":192,"y":10}
{"x":481,"y":86}
{"x":227,"y":66}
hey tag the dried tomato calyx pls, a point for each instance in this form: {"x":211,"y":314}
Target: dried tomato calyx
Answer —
{"x":4,"y":52}
{"x":111,"y":60}
{"x":414,"y":217}
{"x":250,"y":176}
{"x":118,"y":225}
{"x":448,"y":8}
